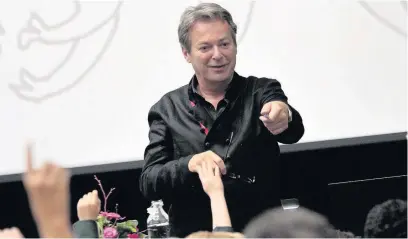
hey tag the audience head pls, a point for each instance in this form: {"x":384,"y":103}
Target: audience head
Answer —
{"x":345,"y":234}
{"x":207,"y":234}
{"x":388,"y":219}
{"x":294,"y":223}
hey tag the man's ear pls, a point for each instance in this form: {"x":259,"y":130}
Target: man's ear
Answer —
{"x":186,"y":54}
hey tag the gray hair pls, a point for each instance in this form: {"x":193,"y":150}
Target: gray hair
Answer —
{"x":203,"y":11}
{"x":296,"y":223}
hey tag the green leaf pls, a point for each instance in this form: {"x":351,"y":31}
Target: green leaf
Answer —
{"x":100,"y":230}
{"x":130,"y":225}
{"x":102,"y":220}
{"x":123,"y":233}
{"x":126,"y":228}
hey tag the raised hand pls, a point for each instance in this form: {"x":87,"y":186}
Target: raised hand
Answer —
{"x":89,"y":206}
{"x":48,"y":193}
{"x":212,"y":160}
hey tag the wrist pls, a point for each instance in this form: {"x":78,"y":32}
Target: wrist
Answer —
{"x":56,"y":233}
{"x":216,"y":195}
{"x":55,"y":228}
{"x":87,"y":218}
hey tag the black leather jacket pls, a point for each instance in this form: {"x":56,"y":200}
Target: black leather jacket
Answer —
{"x":181,"y":127}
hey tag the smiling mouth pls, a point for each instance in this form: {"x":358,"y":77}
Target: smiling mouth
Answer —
{"x":217,"y":67}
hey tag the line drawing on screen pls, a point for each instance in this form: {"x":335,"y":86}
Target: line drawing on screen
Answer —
{"x":77,"y":32}
{"x":2,"y":32}
{"x":404,"y":5}
{"x":382,"y":19}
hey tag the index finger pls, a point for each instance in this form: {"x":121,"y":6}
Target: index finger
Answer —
{"x":199,"y":170}
{"x":29,"y":157}
{"x":220,"y":163}
{"x":217,"y":172}
{"x":266,"y":108}
{"x":273,"y":115}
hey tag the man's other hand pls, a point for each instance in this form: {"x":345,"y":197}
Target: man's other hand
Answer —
{"x":275,"y":116}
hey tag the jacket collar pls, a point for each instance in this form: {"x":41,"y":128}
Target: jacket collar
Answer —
{"x":231,"y":93}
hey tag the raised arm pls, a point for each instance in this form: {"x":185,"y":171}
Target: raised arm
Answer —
{"x":214,"y":188}
{"x":284,"y":121}
{"x":295,"y":129}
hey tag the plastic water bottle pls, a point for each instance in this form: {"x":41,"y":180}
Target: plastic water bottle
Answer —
{"x":158,"y":221}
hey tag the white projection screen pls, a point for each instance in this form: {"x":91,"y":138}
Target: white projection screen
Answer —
{"x":78,"y":77}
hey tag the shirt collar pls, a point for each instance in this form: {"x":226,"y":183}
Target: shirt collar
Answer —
{"x":194,"y":84}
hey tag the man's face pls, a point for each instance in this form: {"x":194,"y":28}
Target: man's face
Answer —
{"x":213,"y":52}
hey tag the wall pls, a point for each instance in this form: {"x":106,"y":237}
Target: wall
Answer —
{"x":97,"y":75}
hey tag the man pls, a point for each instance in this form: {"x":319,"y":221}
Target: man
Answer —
{"x":223,"y":119}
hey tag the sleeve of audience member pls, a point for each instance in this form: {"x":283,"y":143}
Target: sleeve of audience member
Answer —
{"x":86,"y":229}
{"x":162,"y":175}
{"x":223,"y":229}
{"x":272,"y":91}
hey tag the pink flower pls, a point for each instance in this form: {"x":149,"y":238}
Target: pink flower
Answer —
{"x":110,"y":215}
{"x":133,"y":235}
{"x":110,"y":232}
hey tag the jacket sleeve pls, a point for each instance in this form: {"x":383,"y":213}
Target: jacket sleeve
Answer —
{"x":86,"y":229}
{"x":273,"y":92}
{"x":223,"y":229}
{"x":162,"y":176}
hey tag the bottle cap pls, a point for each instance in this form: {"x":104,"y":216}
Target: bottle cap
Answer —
{"x":158,"y":202}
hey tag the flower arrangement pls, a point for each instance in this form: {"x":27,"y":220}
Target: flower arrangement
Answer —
{"x":112,"y":224}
